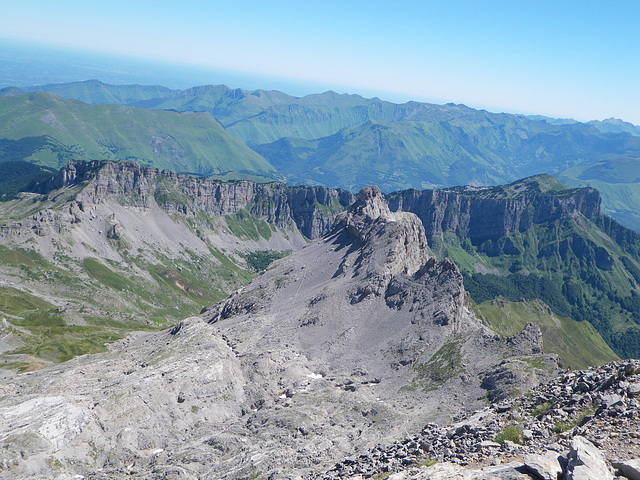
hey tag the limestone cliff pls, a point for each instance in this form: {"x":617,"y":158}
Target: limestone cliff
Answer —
{"x":476,"y":213}
{"x":493,"y":212}
{"x":311,"y":209}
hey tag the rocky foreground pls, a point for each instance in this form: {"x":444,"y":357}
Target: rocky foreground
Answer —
{"x":583,"y":425}
{"x":340,"y":349}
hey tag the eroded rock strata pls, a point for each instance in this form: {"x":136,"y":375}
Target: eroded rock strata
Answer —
{"x":351,"y":342}
{"x":311,"y":209}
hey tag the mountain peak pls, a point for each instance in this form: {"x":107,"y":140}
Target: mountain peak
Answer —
{"x":371,"y":204}
{"x":391,"y":243}
{"x":369,"y":212}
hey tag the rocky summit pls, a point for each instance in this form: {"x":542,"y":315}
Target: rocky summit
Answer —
{"x":351,"y":343}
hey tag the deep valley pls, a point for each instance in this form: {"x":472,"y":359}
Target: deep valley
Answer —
{"x":217,"y":283}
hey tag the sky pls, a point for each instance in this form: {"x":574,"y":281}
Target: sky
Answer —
{"x":560,"y":58}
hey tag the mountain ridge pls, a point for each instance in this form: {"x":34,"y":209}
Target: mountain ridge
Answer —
{"x":317,"y":138}
{"x":555,"y":246}
{"x":189,"y":142}
{"x":486,"y":231}
{"x":277,"y":364}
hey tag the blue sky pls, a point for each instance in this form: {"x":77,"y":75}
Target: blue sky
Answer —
{"x":560,"y":58}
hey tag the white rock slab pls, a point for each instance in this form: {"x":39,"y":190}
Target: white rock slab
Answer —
{"x":586,"y":462}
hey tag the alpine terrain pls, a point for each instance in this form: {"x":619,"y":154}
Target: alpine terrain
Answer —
{"x":360,"y":338}
{"x":353,"y":340}
{"x":173,"y":306}
{"x":338,"y":141}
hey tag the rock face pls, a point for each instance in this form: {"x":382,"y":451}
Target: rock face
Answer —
{"x":368,"y":220}
{"x":311,"y":209}
{"x":476,"y":213}
{"x":508,"y":237}
{"x":350,"y":342}
{"x":493,"y":212}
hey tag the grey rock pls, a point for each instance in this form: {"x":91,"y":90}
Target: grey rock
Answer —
{"x":586,"y":462}
{"x":487,"y":218}
{"x":629,"y":468}
{"x":633,"y":390}
{"x":489,"y":444}
{"x":311,"y":209}
{"x":452,"y":471}
{"x":304,"y":366}
{"x":546,"y":466}
{"x":612,"y":400}
{"x":274,"y":388}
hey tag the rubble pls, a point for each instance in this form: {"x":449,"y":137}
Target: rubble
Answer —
{"x":582,"y":425}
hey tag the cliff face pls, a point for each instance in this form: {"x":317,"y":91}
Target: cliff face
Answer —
{"x":311,"y":209}
{"x":538,"y":231}
{"x":352,"y":341}
{"x":476,"y":213}
{"x":490,"y":213}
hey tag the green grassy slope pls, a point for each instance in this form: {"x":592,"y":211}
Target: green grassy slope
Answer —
{"x":577,"y":344}
{"x":68,"y":300}
{"x":183,"y":142}
{"x":97,"y":92}
{"x":438,"y":154}
{"x":392,"y":156}
{"x":587,"y":269}
{"x":618,"y":181}
{"x":227,"y":105}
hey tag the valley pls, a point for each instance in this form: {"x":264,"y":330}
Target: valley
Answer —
{"x":173,"y":305}
{"x":342,"y":141}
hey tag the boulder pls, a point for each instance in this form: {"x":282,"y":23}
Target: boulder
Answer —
{"x":629,"y":468}
{"x":546,"y":466}
{"x":586,"y":462}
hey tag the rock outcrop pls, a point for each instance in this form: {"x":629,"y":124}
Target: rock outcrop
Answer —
{"x":349,"y":342}
{"x":484,"y":213}
{"x":311,"y":209}
{"x":391,"y":243}
{"x":477,"y":213}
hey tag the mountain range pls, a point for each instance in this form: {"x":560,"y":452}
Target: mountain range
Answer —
{"x":534,"y":241}
{"x":49,"y":130}
{"x":137,"y":339}
{"x":347,"y":141}
{"x":169,"y":311}
{"x":352,"y":340}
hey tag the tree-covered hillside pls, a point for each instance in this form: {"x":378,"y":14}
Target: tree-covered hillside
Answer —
{"x":349,"y":141}
{"x":536,"y":239}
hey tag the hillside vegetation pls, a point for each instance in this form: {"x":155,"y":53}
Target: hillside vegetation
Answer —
{"x":536,"y":239}
{"x":348,"y":141}
{"x":48,"y":130}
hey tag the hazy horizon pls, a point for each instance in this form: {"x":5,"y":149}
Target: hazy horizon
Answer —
{"x":577,"y":60}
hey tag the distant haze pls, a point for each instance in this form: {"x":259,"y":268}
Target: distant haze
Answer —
{"x":561,"y":59}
